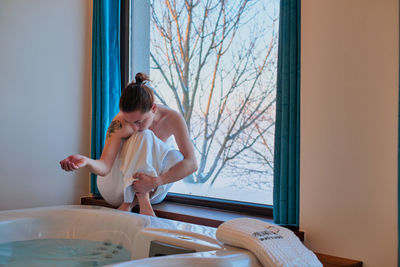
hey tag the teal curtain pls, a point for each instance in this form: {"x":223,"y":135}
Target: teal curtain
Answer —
{"x":398,"y":172}
{"x":287,"y":127}
{"x":106,"y":74}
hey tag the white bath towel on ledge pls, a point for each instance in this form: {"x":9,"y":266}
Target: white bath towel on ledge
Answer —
{"x":273,"y":245}
{"x":142,"y":152}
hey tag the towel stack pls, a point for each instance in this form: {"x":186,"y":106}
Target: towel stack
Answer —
{"x":273,"y":245}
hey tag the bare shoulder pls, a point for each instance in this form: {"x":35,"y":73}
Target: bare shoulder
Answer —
{"x":177,"y":126}
{"x":173,"y":119}
{"x":118,"y":127}
{"x":169,"y":113}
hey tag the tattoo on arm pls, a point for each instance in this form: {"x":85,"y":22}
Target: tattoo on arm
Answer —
{"x":114,"y":126}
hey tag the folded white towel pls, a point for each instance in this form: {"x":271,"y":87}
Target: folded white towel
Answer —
{"x":273,"y":245}
{"x":142,"y":152}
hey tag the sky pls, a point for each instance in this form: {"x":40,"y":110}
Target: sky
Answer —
{"x":258,"y":26}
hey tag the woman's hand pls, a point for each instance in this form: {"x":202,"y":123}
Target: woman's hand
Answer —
{"x":144,"y":183}
{"x":74,"y":162}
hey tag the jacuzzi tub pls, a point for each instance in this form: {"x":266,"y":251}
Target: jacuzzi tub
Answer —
{"x":143,"y":236}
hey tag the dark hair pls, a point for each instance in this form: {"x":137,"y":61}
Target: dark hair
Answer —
{"x":137,"y":95}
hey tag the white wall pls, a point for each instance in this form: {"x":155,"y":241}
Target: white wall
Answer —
{"x":349,"y":107}
{"x":45,"y":84}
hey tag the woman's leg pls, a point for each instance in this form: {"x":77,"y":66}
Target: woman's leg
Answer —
{"x":144,"y":152}
{"x":144,"y":204}
{"x":127,"y":206}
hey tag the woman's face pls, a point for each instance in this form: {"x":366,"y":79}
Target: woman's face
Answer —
{"x":139,"y":121}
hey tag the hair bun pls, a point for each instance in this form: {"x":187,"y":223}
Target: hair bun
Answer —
{"x":140,"y":77}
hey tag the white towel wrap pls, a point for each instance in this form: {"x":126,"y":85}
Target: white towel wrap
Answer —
{"x":273,"y":245}
{"x":142,"y":152}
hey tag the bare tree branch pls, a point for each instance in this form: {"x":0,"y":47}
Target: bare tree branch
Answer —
{"x":219,"y":77}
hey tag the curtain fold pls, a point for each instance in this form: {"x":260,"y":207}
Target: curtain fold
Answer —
{"x":287,"y":125}
{"x":106,"y":74}
{"x":398,"y":163}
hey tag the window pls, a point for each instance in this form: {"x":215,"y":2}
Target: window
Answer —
{"x":215,"y":62}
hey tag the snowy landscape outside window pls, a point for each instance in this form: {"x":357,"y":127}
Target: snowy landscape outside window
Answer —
{"x":215,"y":62}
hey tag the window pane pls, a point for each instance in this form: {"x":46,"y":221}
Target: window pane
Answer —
{"x":215,"y":62}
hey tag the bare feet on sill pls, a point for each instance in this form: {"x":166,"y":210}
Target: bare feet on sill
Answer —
{"x":146,"y":211}
{"x":125,"y":206}
{"x":144,"y":204}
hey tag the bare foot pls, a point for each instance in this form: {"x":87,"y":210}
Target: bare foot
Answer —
{"x":149,"y":212}
{"x":126,"y":206}
{"x":144,"y":205}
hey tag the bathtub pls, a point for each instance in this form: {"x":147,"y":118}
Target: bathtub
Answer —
{"x":147,"y":238}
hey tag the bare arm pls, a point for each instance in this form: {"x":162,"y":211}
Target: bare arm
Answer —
{"x":182,"y":169}
{"x":103,"y":165}
{"x":189,"y":164}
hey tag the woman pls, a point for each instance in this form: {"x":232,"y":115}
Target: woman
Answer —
{"x":138,"y":113}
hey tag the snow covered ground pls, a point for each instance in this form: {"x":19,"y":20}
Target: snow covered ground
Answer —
{"x":224,"y":192}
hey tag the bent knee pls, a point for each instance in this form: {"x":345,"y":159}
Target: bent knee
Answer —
{"x":145,"y":136}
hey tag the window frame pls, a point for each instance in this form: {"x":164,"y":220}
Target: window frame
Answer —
{"x":223,"y":204}
{"x":130,"y":65}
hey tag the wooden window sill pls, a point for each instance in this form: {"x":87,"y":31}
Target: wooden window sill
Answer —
{"x":213,"y":218}
{"x":185,"y":212}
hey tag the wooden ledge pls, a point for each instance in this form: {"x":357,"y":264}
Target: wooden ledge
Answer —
{"x":332,"y":261}
{"x":184,"y":212}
